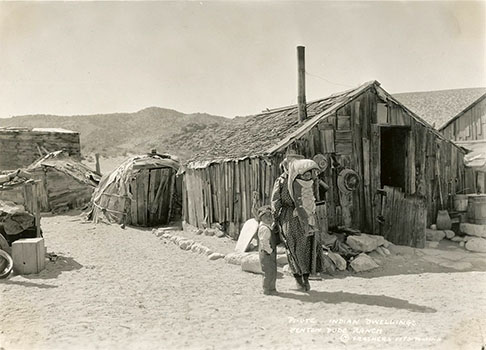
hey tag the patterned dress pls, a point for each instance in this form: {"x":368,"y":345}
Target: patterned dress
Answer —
{"x":299,"y":246}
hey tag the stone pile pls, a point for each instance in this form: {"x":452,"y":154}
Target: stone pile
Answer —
{"x":475,"y":239}
{"x":373,"y":249}
{"x":188,"y":244}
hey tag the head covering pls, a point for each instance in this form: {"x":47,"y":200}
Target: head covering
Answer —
{"x":264,"y":210}
{"x":284,"y":165}
{"x":298,"y":167}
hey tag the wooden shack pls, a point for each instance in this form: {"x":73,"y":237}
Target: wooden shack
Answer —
{"x":364,"y":129}
{"x":20,"y":147}
{"x":460,"y":115}
{"x":142,"y":191}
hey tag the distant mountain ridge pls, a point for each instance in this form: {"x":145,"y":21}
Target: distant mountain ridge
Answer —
{"x":120,"y":133}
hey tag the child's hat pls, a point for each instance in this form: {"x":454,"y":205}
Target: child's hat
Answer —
{"x":264,"y":210}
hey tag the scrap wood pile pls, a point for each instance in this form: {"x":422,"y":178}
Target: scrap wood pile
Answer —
{"x":65,"y":183}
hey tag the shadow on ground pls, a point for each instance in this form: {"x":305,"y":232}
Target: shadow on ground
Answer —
{"x":56,"y":265}
{"x":363,"y":299}
{"x":27,"y":284}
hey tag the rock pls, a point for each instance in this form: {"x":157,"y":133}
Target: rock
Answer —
{"x":218,"y":233}
{"x":286,"y":270}
{"x":433,"y":227}
{"x":215,"y":256}
{"x":195,"y":247}
{"x":251,"y":263}
{"x":462,"y":244}
{"x":473,"y":230}
{"x":217,"y":226}
{"x":199,"y":232}
{"x":383,"y":251}
{"x":449,"y":234}
{"x":166,"y":235}
{"x":281,"y":250}
{"x":235,"y":258}
{"x":401,"y":250}
{"x":379,"y":252}
{"x":365,"y":242}
{"x":431,"y":244}
{"x":338,"y":260}
{"x":434,"y":235}
{"x":476,"y":244}
{"x":282,"y":259}
{"x":467,"y":238}
{"x":363,"y":263}
{"x":457,"y":239}
{"x":387,"y":244}
{"x":377,"y":257}
{"x":209,"y":232}
{"x":208,"y":252}
{"x":186,"y":244}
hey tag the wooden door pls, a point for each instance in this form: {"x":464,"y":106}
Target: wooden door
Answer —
{"x":404,"y":218}
{"x":152,"y":191}
{"x":161,"y":191}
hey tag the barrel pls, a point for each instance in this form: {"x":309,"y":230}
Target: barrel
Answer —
{"x":476,"y":209}
{"x":460,"y":202}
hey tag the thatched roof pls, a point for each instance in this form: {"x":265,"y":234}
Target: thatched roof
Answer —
{"x":273,"y":130}
{"x":439,"y":107}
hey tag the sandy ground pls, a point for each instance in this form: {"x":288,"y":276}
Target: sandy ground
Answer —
{"x":111,"y":288}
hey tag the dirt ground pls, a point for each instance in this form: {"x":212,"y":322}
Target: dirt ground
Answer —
{"x":113,"y":288}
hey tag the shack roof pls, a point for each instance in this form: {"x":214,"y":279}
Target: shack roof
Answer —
{"x":37,"y":130}
{"x":61,"y":161}
{"x":439,"y":107}
{"x":273,"y":130}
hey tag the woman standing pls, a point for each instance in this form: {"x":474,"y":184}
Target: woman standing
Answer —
{"x":293,"y":205}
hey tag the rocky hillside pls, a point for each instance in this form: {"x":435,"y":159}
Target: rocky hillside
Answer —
{"x":122,"y":133}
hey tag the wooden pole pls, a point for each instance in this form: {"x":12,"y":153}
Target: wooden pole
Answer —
{"x":301,"y":83}
{"x":97,"y":156}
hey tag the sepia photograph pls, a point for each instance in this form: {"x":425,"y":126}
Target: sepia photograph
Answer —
{"x":219,"y":175}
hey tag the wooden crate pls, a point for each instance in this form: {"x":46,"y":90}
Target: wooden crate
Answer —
{"x":28,"y":255}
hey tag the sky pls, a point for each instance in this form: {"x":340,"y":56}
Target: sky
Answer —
{"x":228,"y":58}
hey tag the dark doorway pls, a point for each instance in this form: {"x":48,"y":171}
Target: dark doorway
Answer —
{"x":394,"y":141}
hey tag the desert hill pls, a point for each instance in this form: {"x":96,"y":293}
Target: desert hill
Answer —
{"x":121,"y":133}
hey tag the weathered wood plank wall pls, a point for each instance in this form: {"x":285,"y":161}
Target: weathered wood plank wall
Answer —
{"x":221,"y":192}
{"x":470,"y":125}
{"x":20,"y":148}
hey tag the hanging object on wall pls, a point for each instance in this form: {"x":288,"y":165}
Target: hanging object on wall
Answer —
{"x":321,"y":161}
{"x":348,"y":180}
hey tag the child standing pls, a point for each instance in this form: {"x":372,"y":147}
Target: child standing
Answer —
{"x":267,"y":248}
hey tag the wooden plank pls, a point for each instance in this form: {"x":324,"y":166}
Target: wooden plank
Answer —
{"x":327,"y":138}
{"x":344,"y":122}
{"x":374,"y":201}
{"x":344,"y":148}
{"x":382,"y":113}
{"x":367,"y":182}
{"x":133,"y":202}
{"x":357,"y":164}
{"x":152,"y":191}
